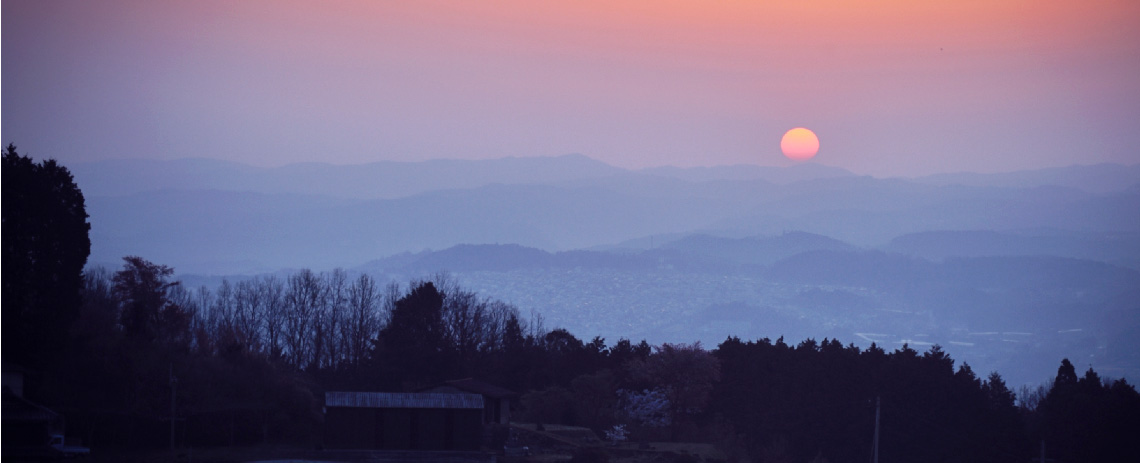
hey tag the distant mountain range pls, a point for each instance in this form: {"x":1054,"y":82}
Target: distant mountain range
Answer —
{"x":1013,"y":311}
{"x":208,"y":216}
{"x":693,"y":253}
{"x":1098,"y":178}
{"x":392,"y":179}
{"x":797,"y":257}
{"x":378,"y":180}
{"x":1007,"y":271}
{"x":1119,"y":248}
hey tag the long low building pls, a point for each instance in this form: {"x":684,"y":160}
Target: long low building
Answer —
{"x":403,"y":421}
{"x":496,"y":400}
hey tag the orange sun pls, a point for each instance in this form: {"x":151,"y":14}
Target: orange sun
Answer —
{"x":799,"y":144}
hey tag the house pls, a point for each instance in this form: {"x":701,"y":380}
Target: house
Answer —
{"x":13,"y":379}
{"x":28,"y":428}
{"x":496,"y":400}
{"x":26,"y":423}
{"x":403,"y":421}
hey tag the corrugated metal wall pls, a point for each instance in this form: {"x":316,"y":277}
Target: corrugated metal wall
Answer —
{"x":360,"y":428}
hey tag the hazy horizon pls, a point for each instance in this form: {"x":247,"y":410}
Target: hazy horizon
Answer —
{"x":776,"y":163}
{"x":891,"y":88}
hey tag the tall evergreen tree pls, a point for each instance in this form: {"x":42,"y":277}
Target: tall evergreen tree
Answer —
{"x":414,"y":341}
{"x":46,"y":244}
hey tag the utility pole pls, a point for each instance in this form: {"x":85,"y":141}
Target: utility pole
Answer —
{"x":875,"y":447}
{"x":173,"y":394}
{"x":1042,"y":450}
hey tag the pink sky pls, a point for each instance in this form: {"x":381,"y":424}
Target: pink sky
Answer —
{"x":891,"y":87}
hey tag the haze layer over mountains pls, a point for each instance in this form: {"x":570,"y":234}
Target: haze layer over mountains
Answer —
{"x":219,"y":217}
{"x":1006,"y":271}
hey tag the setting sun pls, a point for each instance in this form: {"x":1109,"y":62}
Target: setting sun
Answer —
{"x":799,"y":144}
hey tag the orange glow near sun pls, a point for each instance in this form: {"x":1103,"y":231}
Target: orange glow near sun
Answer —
{"x":799,"y":144}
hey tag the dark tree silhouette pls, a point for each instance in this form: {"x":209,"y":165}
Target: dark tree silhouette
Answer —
{"x":686,"y":374}
{"x":1088,"y":419}
{"x":147,"y":312}
{"x":414,"y":342}
{"x":45,"y":248}
{"x":364,"y":301}
{"x":819,"y":401}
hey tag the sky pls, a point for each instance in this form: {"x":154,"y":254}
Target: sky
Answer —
{"x":891,"y":87}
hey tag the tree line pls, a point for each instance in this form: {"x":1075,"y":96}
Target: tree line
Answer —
{"x":261,"y":351}
{"x":142,"y":334}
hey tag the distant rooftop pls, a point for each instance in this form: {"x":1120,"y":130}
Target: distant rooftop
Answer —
{"x":403,"y":400}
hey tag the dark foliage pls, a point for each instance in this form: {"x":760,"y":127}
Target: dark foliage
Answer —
{"x":146,"y":310}
{"x":1087,"y":418}
{"x":819,"y":399}
{"x":45,"y":248}
{"x":766,"y":400}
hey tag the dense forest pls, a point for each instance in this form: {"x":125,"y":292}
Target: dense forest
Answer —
{"x":125,"y":352}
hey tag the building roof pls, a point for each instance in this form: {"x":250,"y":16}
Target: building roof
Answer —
{"x":475,"y":386}
{"x":16,"y":408}
{"x":402,"y":400}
